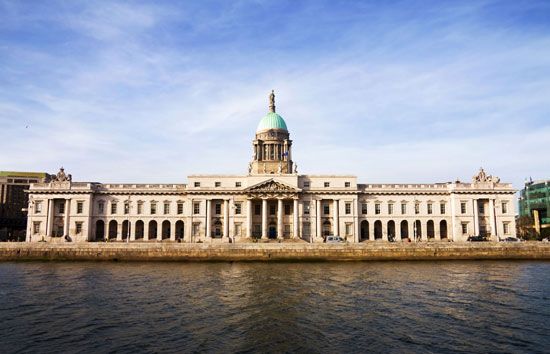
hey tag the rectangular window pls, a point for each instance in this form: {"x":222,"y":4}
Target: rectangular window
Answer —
{"x":153,"y":208}
{"x":442,"y":208}
{"x":306,"y":208}
{"x":417,"y":208}
{"x":237,"y":184}
{"x":126,"y":208}
{"x":348,"y":229}
{"x":287,"y":209}
{"x":238,"y":208}
{"x":78,"y":227}
{"x":326,"y":209}
{"x":100,"y":207}
{"x":286,"y":230}
{"x":377,"y":208}
{"x":197,"y":184}
{"x":481,"y":208}
{"x":463,"y":208}
{"x":347,"y":184}
{"x":79,"y":207}
{"x":166,"y":208}
{"x":430,"y":208}
{"x":306,"y":184}
{"x":196,"y":208}
{"x":257,"y":209}
{"x":506,"y":228}
{"x":272,"y":210}
{"x":140,"y":207}
{"x":238,"y":228}
{"x":217,"y":208}
{"x":61,"y":208}
{"x":113,"y":207}
{"x":464,"y":228}
{"x":36,"y":227}
{"x":327,"y":184}
{"x":364,"y":208}
{"x":180,"y":208}
{"x":403,"y":208}
{"x":196,"y":228}
{"x":390,"y":209}
{"x":217,"y":184}
{"x":504,"y":207}
{"x":348,"y":209}
{"x":37,"y":207}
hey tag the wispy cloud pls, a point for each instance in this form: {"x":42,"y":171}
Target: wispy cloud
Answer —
{"x":409,"y":91}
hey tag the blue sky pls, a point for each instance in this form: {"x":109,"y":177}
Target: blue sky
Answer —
{"x":390,"y":91}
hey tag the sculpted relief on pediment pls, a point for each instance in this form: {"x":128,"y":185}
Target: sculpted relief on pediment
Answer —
{"x":272,"y":187}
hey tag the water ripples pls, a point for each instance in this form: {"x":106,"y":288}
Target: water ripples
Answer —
{"x":389,"y":307}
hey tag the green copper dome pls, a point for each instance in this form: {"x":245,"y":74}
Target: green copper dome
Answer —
{"x":272,"y":121}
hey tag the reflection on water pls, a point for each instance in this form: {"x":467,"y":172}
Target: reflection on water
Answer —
{"x":275,"y":307}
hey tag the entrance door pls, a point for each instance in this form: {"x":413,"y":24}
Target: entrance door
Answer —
{"x":272,"y":232}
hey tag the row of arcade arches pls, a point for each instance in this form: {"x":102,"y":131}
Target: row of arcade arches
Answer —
{"x":110,"y":231}
{"x":404,"y":230}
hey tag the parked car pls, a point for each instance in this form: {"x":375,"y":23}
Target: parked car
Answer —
{"x":511,"y":239}
{"x":477,"y":238}
{"x":545,"y":239}
{"x":334,"y":239}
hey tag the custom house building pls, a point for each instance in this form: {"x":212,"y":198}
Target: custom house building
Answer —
{"x":271,"y":202}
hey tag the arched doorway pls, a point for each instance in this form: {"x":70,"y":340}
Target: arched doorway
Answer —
{"x":99,"y":230}
{"x":417,"y":230}
{"x":391,"y":230}
{"x":327,"y":229}
{"x":125,"y":230}
{"x":364,"y":230}
{"x":443,"y":229}
{"x":113,"y":225}
{"x":430,"y":232}
{"x":404,"y":229}
{"x":152,"y":230}
{"x":378,"y":230}
{"x":272,"y":230}
{"x":180,"y":230}
{"x":165,"y":229}
{"x":139,"y":230}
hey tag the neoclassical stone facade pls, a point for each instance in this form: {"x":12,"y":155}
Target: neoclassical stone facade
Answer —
{"x":272,"y":201}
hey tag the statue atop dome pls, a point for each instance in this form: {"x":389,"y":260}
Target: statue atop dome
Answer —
{"x":272,"y":101}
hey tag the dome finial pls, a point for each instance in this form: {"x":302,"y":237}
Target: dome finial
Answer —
{"x":272,"y":101}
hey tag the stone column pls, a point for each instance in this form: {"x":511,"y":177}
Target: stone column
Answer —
{"x":336,"y":217}
{"x":66,"y":220}
{"x":159,"y":230}
{"x":146,"y":230}
{"x":264,"y":218}
{"x":384,"y":230}
{"x":357,"y":223}
{"x":295,"y":219}
{"x":208,"y":219}
{"x":226,"y":218}
{"x":494,"y":233}
{"x":437,"y":231}
{"x":476,"y":217}
{"x":280,"y":218}
{"x":249,"y":218}
{"x":173,"y":231}
{"x":49,"y":223}
{"x":119,"y":230}
{"x":132,"y":227}
{"x":371,"y":230}
{"x":318,"y":218}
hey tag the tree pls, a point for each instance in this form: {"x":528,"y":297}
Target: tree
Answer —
{"x":525,"y":228}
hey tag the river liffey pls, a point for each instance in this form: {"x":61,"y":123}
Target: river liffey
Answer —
{"x":400,"y":307}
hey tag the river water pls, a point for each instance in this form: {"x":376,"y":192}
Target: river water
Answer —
{"x":386,"y":307}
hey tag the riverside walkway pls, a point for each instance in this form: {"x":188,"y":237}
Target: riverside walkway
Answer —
{"x":370,"y":251}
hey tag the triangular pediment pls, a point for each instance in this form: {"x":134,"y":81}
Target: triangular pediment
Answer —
{"x":272,"y":186}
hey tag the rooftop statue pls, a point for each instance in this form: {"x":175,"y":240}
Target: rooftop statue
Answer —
{"x":483,"y":177}
{"x":61,"y":176}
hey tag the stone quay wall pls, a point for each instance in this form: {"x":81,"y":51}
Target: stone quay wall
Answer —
{"x":271,"y":251}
